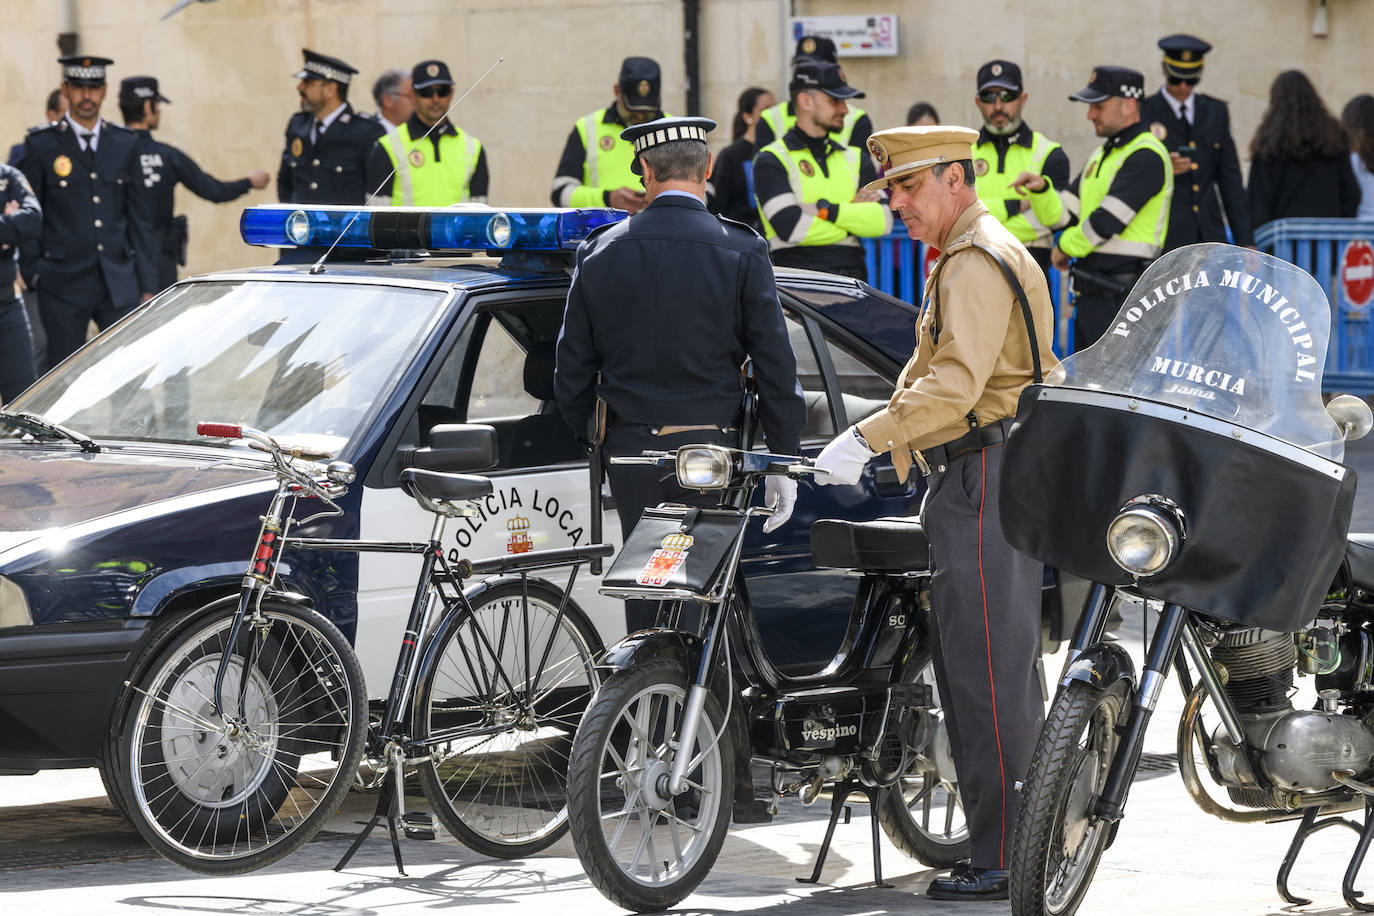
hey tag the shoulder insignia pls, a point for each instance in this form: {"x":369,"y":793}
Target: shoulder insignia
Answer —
{"x":302,"y":118}
{"x":364,"y":115}
{"x":61,"y":124}
{"x":43,"y":128}
{"x":736,"y":224}
{"x":118,"y":128}
{"x":1210,"y":98}
{"x":1159,"y":130}
{"x":345,"y":118}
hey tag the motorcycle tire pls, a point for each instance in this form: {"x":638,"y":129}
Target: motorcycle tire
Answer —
{"x":1065,"y":778}
{"x":226,"y":797}
{"x":620,"y":752}
{"x":496,"y":769}
{"x":922,"y":813}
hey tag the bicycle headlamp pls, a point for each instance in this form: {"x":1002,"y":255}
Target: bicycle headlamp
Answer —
{"x":703,"y":467}
{"x":1146,"y":534}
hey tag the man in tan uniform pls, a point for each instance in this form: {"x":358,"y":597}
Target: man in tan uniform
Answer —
{"x":976,"y":349}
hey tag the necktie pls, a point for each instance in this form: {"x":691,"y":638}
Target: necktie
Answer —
{"x":318,"y":132}
{"x":85,"y":143}
{"x":1183,"y":114}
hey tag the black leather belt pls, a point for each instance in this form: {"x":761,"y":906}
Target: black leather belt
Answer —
{"x":938,"y":457}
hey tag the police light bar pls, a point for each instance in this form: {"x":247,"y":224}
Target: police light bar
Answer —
{"x":421,"y":229}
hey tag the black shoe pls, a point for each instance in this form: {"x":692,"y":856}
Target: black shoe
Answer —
{"x":971,"y":883}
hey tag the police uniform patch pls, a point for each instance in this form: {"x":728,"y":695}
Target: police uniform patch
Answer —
{"x":666,"y":560}
{"x":996,"y":69}
{"x":809,"y":46}
{"x":644,"y":89}
{"x":416,"y":157}
{"x":297,"y":147}
{"x":980,"y":167}
{"x":432,"y":70}
{"x":1159,"y":130}
{"x":62,"y":166}
{"x":607,"y":143}
{"x":806,"y":168}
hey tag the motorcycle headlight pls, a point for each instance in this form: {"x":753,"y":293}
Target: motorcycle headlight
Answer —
{"x":14,"y":605}
{"x":1144,"y":537}
{"x":703,"y":467}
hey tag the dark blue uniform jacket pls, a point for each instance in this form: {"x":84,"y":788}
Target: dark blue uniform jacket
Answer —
{"x":332,"y":171}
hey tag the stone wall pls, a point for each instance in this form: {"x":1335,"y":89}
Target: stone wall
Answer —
{"x":227,"y":67}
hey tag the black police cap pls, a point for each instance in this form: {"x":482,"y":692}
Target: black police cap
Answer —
{"x":823,"y":76}
{"x":654,"y":133}
{"x":430,"y":73}
{"x":815,"y":47}
{"x":640,"y":81}
{"x":1183,"y":55}
{"x":84,"y":70}
{"x":1000,"y":74}
{"x":323,"y":67}
{"x":1106,"y":82}
{"x":140,"y":89}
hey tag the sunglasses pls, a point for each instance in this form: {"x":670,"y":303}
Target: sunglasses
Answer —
{"x":988,"y":96}
{"x":430,"y":92}
{"x":1179,"y":80}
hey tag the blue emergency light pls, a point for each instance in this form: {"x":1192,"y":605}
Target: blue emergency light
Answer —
{"x":422,"y":229}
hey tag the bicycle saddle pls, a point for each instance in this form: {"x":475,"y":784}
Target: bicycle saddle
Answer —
{"x":884,"y":545}
{"x":437,"y":486}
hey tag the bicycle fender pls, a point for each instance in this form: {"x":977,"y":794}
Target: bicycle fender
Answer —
{"x":1101,"y":665}
{"x":648,"y":645}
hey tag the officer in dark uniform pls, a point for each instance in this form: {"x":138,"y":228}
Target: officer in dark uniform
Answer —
{"x":667,"y":306}
{"x":96,"y":253}
{"x":21,"y":221}
{"x":164,"y":167}
{"x":327,"y":142}
{"x":1196,"y":129}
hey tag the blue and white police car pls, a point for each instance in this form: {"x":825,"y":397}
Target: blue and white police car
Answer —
{"x":116,"y":519}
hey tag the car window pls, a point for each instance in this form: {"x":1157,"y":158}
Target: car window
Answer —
{"x":819,"y":423}
{"x":498,"y":390}
{"x":862,"y":389}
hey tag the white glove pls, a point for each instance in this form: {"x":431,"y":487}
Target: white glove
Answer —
{"x":844,"y":458}
{"x":779,"y":493}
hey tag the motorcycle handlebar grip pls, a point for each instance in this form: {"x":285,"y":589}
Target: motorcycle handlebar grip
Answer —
{"x":219,"y":430}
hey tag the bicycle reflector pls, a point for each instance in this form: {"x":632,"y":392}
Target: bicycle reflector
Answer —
{"x":419,"y":229}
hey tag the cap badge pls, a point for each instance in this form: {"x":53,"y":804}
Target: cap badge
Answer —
{"x":416,"y":157}
{"x":1159,"y":130}
{"x":432,"y":69}
{"x":607,"y":143}
{"x":1093,"y":78}
{"x":806,"y":168}
{"x":809,"y":46}
{"x":86,"y":62}
{"x":1187,"y":55}
{"x":62,"y":166}
{"x":840,"y":70}
{"x":297,"y":147}
{"x":996,"y":69}
{"x":980,"y":167}
{"x":644,"y":89}
{"x":876,"y":148}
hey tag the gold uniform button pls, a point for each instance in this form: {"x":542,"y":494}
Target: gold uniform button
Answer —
{"x":1196,"y":188}
{"x":1194,"y":166}
{"x":1194,"y":208}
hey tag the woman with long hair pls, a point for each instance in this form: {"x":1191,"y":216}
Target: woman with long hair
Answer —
{"x":1299,"y":157}
{"x":731,"y":188}
{"x":1358,"y":118}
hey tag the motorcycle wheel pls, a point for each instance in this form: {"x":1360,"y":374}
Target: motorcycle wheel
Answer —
{"x":225,"y":797}
{"x":496,"y":769}
{"x":645,"y":852}
{"x":922,"y":813}
{"x":1058,"y":842}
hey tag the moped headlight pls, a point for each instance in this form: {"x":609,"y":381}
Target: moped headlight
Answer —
{"x":703,"y":467}
{"x":1144,"y":537}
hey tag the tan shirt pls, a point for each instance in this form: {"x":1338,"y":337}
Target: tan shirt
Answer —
{"x":983,"y":359}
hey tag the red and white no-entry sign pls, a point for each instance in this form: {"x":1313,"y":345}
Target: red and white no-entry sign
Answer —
{"x":1357,"y":272}
{"x":927,"y":262}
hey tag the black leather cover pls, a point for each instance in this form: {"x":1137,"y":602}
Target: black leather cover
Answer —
{"x":882,"y":545}
{"x":712,"y":531}
{"x":1359,"y":559}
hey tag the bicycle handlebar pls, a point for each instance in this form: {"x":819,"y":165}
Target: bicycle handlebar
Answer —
{"x":324,"y":489}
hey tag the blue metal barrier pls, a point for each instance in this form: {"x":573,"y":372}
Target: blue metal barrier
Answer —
{"x":1338,"y":254}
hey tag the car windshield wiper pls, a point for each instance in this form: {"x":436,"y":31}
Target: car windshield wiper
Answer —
{"x":40,"y":428}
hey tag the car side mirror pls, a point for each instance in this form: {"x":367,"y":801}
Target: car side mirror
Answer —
{"x":457,"y":447}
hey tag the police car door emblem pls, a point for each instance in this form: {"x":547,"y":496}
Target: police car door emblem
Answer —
{"x":980,"y":167}
{"x":297,"y":147}
{"x":1159,"y":130}
{"x":62,"y":166}
{"x":665,"y":561}
{"x":519,"y":540}
{"x":806,"y":168}
{"x":607,"y":142}
{"x":416,"y":157}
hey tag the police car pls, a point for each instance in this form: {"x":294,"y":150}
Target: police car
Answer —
{"x":116,"y":519}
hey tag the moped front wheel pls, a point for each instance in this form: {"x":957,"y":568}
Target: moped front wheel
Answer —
{"x":1058,"y":840}
{"x":643,"y":848}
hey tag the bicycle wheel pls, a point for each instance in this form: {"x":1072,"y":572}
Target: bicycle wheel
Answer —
{"x":230,"y":794}
{"x":497,"y":706}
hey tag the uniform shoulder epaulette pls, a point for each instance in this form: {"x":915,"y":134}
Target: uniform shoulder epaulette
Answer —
{"x":304,"y":117}
{"x":736,"y":224}
{"x":119,"y":127}
{"x":365,"y":115}
{"x":1211,"y":98}
{"x":44,"y":128}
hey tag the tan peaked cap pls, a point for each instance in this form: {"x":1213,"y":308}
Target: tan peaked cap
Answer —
{"x":903,"y":150}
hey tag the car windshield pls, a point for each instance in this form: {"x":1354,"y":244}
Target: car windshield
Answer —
{"x":303,"y":361}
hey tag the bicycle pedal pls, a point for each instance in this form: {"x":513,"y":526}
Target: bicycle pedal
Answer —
{"x":419,"y":825}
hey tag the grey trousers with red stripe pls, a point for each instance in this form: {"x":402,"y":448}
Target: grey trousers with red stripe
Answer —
{"x":986,"y":601}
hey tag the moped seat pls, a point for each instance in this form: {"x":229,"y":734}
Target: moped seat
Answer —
{"x":438,"y":485}
{"x":1359,"y":556}
{"x":892,"y":545}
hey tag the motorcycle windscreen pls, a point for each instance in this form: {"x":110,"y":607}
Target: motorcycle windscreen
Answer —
{"x":1265,"y":521}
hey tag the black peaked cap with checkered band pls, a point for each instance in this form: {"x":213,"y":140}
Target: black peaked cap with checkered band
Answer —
{"x":665,"y":130}
{"x":323,"y":67}
{"x":1106,"y":82}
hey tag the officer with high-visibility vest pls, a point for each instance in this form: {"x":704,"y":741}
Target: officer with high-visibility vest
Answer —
{"x":810,"y":187}
{"x":428,"y":161}
{"x":778,"y":119}
{"x":1007,"y":147}
{"x":1120,"y":202}
{"x":595,"y":168}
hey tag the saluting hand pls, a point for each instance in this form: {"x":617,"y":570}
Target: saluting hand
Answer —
{"x":1028,"y":183}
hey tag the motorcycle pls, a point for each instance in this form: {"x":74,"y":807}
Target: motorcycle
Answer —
{"x":1186,"y":461}
{"x":662,"y":759}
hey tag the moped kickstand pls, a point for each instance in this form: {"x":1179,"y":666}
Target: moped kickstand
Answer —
{"x":1310,"y":825}
{"x":839,"y":794}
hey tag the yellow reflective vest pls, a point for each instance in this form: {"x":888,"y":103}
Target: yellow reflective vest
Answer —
{"x":1035,"y":227}
{"x":810,"y":184}
{"x":1146,"y":229}
{"x":423,"y":181}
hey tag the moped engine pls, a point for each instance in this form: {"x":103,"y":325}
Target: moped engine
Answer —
{"x":1299,"y":747}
